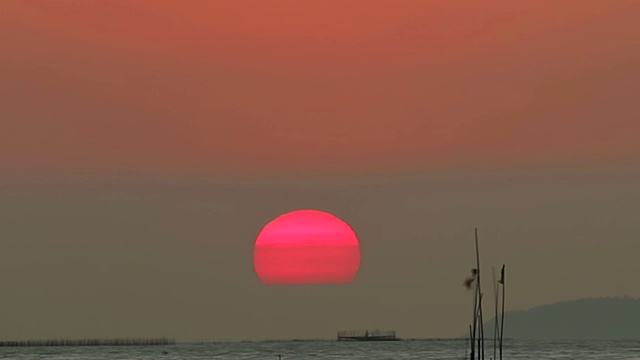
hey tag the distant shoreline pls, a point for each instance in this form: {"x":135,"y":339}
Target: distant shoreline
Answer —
{"x":162,"y":342}
{"x":331,"y":340}
{"x":88,"y":342}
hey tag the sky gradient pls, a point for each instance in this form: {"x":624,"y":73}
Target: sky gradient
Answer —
{"x":153,"y":87}
{"x":143,"y":145}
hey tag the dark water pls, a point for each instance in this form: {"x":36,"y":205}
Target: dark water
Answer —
{"x":298,"y":350}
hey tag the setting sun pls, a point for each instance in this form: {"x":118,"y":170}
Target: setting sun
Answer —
{"x":306,"y":246}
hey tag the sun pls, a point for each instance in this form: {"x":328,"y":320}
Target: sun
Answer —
{"x":306,"y":247}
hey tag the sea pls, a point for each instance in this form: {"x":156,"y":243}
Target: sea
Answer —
{"x":317,"y":350}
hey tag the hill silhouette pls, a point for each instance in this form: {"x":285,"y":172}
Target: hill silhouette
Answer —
{"x":593,"y":318}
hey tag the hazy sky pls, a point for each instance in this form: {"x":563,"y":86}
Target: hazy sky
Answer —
{"x":143,"y":144}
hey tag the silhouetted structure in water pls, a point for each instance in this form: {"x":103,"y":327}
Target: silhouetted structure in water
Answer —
{"x":375,"y":335}
{"x":88,"y":342}
{"x":476,"y":328}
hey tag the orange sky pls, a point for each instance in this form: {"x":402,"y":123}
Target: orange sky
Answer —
{"x":420,"y":114}
{"x":254,"y":87}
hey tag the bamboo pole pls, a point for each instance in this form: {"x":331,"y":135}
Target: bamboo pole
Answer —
{"x":470,"y":341}
{"x":479,"y":292}
{"x":495,"y":313}
{"x":481,"y":321}
{"x":475,"y":322}
{"x":474,"y":334}
{"x":502,"y":320}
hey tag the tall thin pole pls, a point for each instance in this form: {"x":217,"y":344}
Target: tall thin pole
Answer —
{"x":479,"y":289}
{"x":481,"y":321}
{"x":495,"y":313}
{"x":475,"y":321}
{"x":470,"y":340}
{"x":479,"y":337}
{"x":502,"y":320}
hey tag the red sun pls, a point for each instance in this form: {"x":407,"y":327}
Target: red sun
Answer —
{"x":306,"y":247}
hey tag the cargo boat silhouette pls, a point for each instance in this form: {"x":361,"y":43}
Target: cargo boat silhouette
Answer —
{"x":376,"y":335}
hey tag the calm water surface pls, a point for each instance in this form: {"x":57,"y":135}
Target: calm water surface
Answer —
{"x":299,"y":350}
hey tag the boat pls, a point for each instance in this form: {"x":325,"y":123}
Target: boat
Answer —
{"x":375,"y":335}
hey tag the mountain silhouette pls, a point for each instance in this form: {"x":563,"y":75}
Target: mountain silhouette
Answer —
{"x":593,"y":318}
